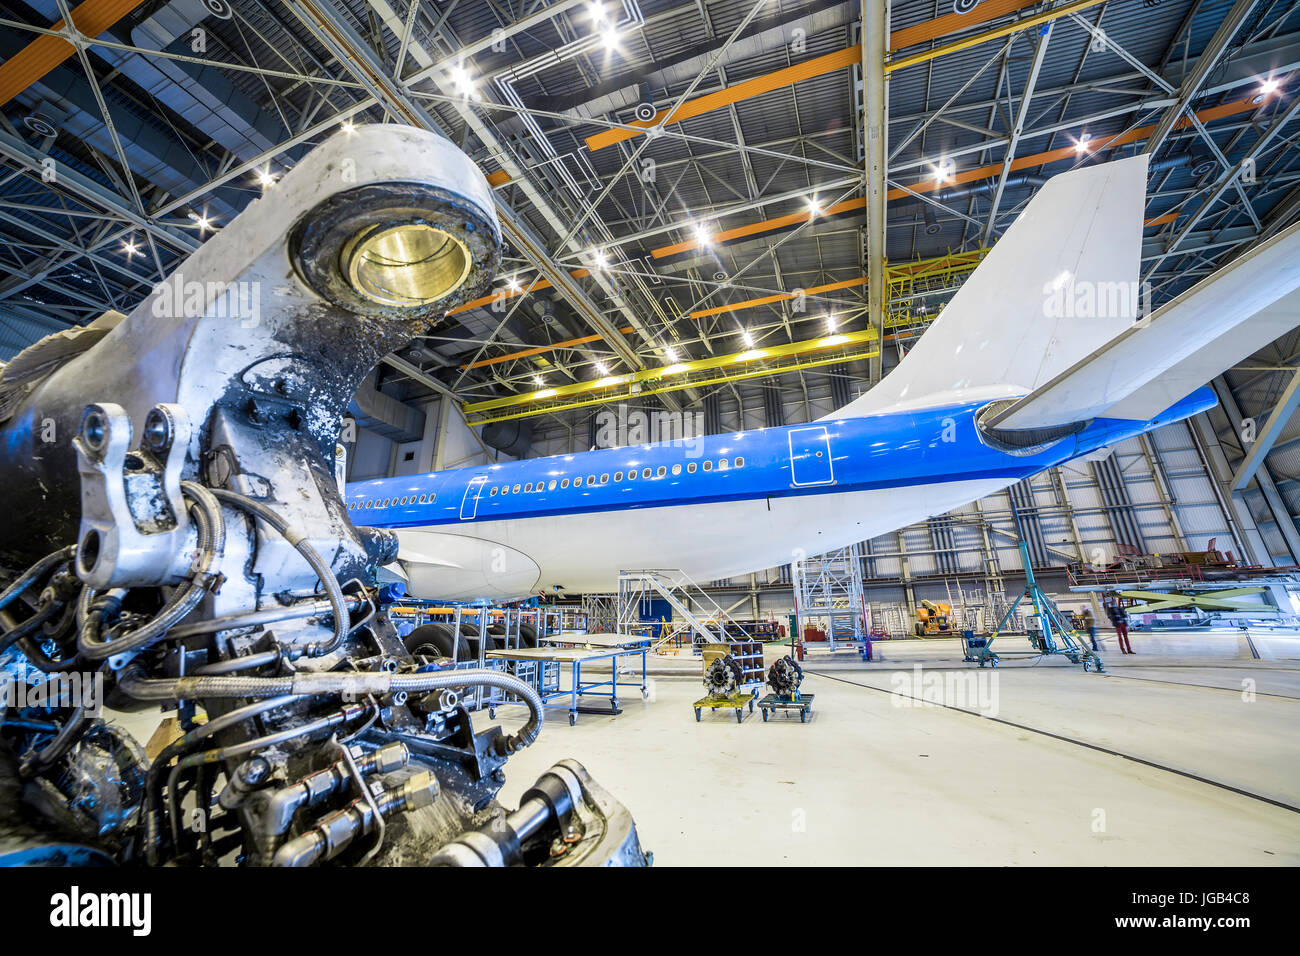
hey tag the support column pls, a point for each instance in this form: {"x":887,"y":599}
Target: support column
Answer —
{"x":875,"y":98}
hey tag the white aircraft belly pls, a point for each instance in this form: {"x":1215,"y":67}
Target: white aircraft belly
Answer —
{"x":585,"y":552}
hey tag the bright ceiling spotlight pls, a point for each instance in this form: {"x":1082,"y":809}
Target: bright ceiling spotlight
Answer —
{"x":265,"y":178}
{"x":130,"y":248}
{"x":600,"y":259}
{"x":407,"y":265}
{"x":670,"y":353}
{"x":348,"y":127}
{"x":537,"y":380}
{"x":463,"y":82}
{"x":1081,"y":145}
{"x":204,"y":224}
{"x":830,"y":323}
{"x":609,"y":38}
{"x":942,"y":171}
{"x":1269,"y":86}
{"x":748,"y":339}
{"x":703,"y":237}
{"x":513,"y":284}
{"x":814,"y":207}
{"x":601,"y":368}
{"x":596,"y":11}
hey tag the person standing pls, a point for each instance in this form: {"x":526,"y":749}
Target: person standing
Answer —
{"x":1119,"y":620}
{"x":1090,"y":623}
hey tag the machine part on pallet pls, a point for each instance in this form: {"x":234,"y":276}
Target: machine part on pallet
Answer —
{"x":785,"y":676}
{"x":203,"y":556}
{"x":723,"y":676}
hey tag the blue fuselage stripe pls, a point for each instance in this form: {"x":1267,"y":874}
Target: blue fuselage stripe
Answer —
{"x":835,"y":456}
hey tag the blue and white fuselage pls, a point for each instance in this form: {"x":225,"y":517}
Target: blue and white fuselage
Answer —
{"x":714,"y":507}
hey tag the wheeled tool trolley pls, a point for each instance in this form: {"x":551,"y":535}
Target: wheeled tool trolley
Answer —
{"x":736,"y":701}
{"x":803,"y":703}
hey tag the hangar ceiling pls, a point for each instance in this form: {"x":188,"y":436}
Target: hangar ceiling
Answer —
{"x":736,"y":224}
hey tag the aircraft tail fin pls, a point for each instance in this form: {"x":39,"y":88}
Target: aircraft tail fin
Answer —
{"x":1233,"y":313}
{"x":1060,"y":283}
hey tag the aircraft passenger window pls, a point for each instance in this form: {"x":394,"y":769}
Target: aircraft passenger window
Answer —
{"x":516,"y":489}
{"x":618,"y":476}
{"x":645,"y":473}
{"x":691,"y":468}
{"x":722,"y":464}
{"x":677,"y":469}
{"x":432,"y":498}
{"x":564,"y":483}
{"x":493,"y":492}
{"x":541,"y":486}
{"x":740,"y":463}
{"x":604,"y":479}
{"x":631,"y":475}
{"x":708,"y":466}
{"x":591,"y":479}
{"x":577,"y":482}
{"x":552,"y":485}
{"x":528,"y":487}
{"x":661,"y":472}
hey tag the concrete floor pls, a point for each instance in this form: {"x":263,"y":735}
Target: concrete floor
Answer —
{"x":875,"y":778}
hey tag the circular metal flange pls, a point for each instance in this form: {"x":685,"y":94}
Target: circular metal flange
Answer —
{"x":407,"y":247}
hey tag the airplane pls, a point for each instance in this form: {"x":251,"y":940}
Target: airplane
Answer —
{"x":1040,"y":357}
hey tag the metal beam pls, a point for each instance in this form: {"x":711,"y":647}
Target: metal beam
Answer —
{"x":1022,"y":115}
{"x":1273,"y":499}
{"x":1204,"y":64}
{"x":875,"y":98}
{"x":1265,"y":439}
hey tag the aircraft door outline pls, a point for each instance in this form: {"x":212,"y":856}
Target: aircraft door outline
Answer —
{"x":810,"y":457}
{"x":473,"y":494}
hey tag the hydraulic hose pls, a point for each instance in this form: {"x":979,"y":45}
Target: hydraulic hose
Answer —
{"x":211,"y":544}
{"x":358,"y":683}
{"x":152,"y":825}
{"x":313,"y":557}
{"x":35,"y":573}
{"x":29,"y":626}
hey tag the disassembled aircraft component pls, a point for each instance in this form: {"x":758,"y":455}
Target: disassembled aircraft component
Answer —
{"x":785,"y":676}
{"x":183,"y":459}
{"x":723,"y":676}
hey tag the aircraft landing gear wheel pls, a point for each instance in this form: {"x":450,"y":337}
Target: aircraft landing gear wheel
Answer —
{"x":697,"y":715}
{"x":573,"y":719}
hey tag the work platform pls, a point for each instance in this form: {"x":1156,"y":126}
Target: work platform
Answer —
{"x":551,"y":660}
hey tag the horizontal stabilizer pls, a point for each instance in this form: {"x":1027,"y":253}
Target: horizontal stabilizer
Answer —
{"x":1212,"y":326}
